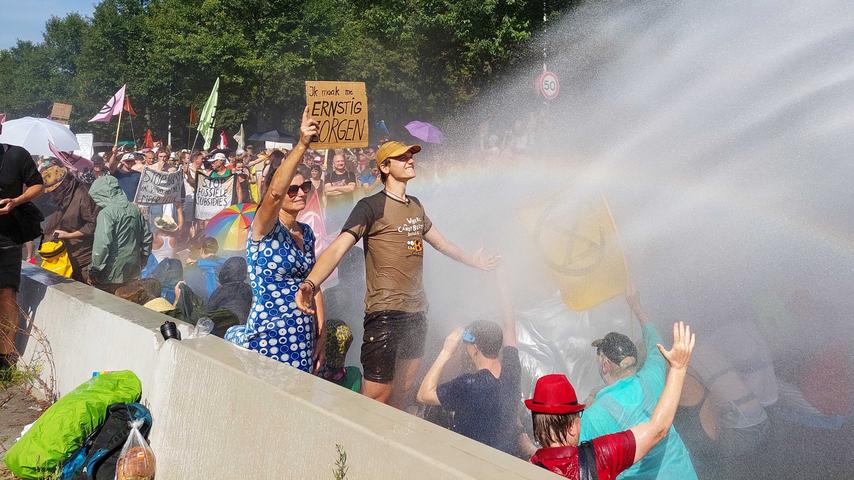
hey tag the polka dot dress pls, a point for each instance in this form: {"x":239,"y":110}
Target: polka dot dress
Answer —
{"x":276,"y":328}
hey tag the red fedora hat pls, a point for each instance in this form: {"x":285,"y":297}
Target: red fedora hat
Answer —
{"x":554,"y":394}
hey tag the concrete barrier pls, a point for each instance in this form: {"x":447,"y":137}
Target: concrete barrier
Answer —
{"x":221,"y":412}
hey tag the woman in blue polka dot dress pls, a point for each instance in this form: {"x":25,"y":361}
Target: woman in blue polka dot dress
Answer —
{"x":280,"y":253}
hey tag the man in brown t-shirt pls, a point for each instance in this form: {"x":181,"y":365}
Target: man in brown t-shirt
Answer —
{"x":393,"y":227}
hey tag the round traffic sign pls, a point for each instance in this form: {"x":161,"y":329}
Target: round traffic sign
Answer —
{"x":549,"y":85}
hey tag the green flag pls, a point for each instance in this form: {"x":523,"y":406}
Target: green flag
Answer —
{"x":207,"y":117}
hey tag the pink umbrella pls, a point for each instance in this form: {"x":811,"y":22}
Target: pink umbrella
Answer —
{"x":425,"y":132}
{"x":70,"y":160}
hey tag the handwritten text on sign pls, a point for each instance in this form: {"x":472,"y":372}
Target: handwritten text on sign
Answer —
{"x":212,"y":195}
{"x":341,"y":110}
{"x":158,"y":188}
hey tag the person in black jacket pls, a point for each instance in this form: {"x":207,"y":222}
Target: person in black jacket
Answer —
{"x":20,"y":182}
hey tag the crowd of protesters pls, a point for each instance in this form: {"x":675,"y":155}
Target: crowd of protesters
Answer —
{"x":268,"y":299}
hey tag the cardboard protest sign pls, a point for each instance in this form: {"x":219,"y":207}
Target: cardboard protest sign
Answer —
{"x":341,"y":110}
{"x":212,"y":195}
{"x":158,"y":188}
{"x":60,"y":112}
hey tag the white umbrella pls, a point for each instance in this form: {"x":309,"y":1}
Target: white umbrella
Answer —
{"x":35,"y":135}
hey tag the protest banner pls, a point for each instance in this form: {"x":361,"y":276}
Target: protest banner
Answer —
{"x":341,"y":111}
{"x":158,"y":188}
{"x":212,"y":195}
{"x":86,"y":142}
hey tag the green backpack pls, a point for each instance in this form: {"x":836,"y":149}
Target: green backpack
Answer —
{"x":63,"y":427}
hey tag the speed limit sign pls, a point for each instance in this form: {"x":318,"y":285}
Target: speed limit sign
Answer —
{"x":549,"y":85}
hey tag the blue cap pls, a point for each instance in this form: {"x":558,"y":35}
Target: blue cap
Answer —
{"x":468,"y":337}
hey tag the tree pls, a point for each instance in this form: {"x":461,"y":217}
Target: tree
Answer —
{"x":419,"y":58}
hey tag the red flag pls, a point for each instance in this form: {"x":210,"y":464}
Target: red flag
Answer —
{"x":128,"y":107}
{"x":223,"y":140}
{"x":149,"y":140}
{"x":194,"y":116}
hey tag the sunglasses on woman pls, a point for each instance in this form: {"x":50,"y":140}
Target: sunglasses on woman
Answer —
{"x":294,"y":189}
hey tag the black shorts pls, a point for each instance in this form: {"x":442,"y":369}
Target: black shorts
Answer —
{"x":10,"y":267}
{"x":391,"y":336}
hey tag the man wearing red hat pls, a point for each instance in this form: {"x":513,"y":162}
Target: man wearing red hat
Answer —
{"x":393,"y":227}
{"x":556,"y":416}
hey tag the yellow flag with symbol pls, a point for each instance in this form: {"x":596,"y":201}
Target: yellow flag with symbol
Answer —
{"x":581,"y":248}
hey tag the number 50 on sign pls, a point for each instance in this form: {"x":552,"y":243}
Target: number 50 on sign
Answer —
{"x":548,"y":85}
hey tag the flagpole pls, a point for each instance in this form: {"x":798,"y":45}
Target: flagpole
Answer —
{"x":132,"y":132}
{"x":118,"y":126}
{"x":169,"y":128}
{"x":195,"y":139}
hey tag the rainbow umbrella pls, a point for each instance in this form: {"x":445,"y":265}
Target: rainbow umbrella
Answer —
{"x":230,"y":227}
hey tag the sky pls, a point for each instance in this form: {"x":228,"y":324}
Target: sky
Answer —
{"x":25,"y":19}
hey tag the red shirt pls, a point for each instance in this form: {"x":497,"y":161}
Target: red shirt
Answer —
{"x":614,"y":453}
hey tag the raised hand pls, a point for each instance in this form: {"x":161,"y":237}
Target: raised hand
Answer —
{"x":308,"y":128}
{"x":452,"y":341}
{"x":483,"y":261}
{"x":683,"y":344}
{"x":178,"y":290}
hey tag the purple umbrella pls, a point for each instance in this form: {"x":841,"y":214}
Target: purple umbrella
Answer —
{"x":425,"y":132}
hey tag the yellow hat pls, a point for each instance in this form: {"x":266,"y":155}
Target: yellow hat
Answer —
{"x":160,"y":304}
{"x":393,"y":149}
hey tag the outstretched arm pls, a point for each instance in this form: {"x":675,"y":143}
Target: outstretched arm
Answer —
{"x":111,"y":159}
{"x":648,"y":434}
{"x":268,"y":212}
{"x":326,"y":263}
{"x":633,"y":299}
{"x":31,"y":192}
{"x":428,"y":391}
{"x":477,"y":260}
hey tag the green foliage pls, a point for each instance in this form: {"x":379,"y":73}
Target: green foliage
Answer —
{"x":420,"y":58}
{"x":11,"y":377}
{"x":340,"y":471}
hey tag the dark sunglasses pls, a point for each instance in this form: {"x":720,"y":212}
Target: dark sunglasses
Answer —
{"x":293,"y":189}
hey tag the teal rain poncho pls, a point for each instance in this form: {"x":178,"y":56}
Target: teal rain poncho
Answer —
{"x":122,"y":239}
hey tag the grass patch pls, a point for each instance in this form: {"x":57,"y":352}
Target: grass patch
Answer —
{"x":12,"y":377}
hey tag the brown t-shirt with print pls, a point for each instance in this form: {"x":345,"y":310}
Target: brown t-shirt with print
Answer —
{"x":393,"y":237}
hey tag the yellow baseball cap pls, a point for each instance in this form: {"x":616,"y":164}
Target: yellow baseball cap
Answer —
{"x":393,"y":149}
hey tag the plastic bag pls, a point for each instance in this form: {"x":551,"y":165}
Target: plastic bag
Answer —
{"x":204,"y":326}
{"x":136,"y":462}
